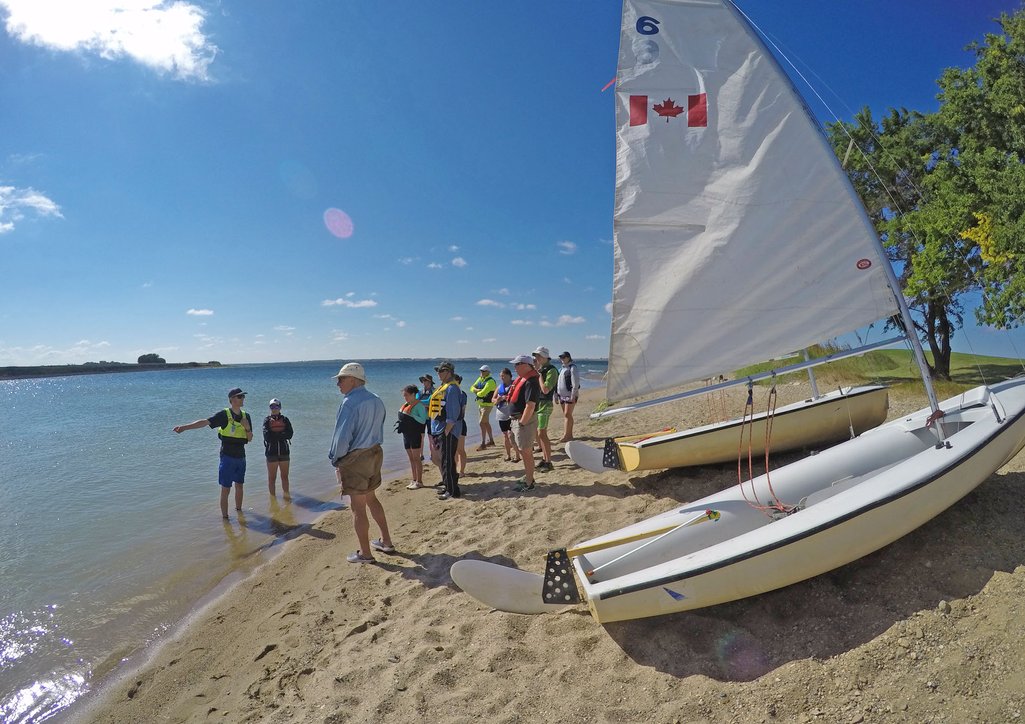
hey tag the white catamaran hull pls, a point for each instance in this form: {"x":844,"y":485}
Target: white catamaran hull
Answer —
{"x":853,"y":499}
{"x":825,"y":420}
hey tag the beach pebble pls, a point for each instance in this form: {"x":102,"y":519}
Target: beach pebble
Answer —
{"x":943,"y":607}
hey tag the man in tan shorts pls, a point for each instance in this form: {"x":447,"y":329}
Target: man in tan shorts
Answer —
{"x":356,"y":455}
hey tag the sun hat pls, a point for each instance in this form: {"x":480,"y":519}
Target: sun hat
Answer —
{"x":485,"y":368}
{"x":445,"y":365}
{"x":236,"y":392}
{"x":352,"y":369}
{"x":274,"y":402}
{"x":543,"y":351}
{"x":424,"y":378}
{"x":522,"y":359}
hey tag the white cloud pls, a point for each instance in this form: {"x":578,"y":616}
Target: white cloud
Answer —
{"x":346,"y":302}
{"x":595,"y":336}
{"x":562,"y":321}
{"x":435,"y":265}
{"x":284,"y":328}
{"x":339,"y":336}
{"x":400,"y":324}
{"x":522,"y":307}
{"x":462,"y":341}
{"x":453,"y":248}
{"x":521,"y":322}
{"x":165,"y":35}
{"x":200,"y":312}
{"x":489,"y":303}
{"x":489,"y":340}
{"x":566,"y":247}
{"x":455,"y":319}
{"x":407,"y":260}
{"x":504,"y":292}
{"x":14,"y":202}
{"x":608,"y":308}
{"x":459,"y":262}
{"x":81,"y":351}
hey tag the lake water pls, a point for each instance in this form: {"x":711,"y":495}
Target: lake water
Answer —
{"x":111,"y":530}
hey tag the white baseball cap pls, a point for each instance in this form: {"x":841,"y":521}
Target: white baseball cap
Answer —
{"x":274,"y":401}
{"x":485,"y":368}
{"x":543,"y":351}
{"x":522,"y":359}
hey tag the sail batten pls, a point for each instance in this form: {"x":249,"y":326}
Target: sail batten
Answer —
{"x":737,"y":236}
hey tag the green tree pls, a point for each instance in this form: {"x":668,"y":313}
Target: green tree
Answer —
{"x":946,"y":191}
{"x":152,"y":359}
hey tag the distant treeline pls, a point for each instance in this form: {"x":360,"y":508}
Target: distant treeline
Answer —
{"x":96,"y":368}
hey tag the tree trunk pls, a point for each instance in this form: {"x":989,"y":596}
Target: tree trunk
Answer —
{"x":938,"y":337}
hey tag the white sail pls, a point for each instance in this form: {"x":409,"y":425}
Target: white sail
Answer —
{"x":738,"y":238}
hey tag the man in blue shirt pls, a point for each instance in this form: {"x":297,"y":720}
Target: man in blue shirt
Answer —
{"x":357,"y":456}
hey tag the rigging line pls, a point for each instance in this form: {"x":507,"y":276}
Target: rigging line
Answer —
{"x":746,"y":428}
{"x":770,"y":414}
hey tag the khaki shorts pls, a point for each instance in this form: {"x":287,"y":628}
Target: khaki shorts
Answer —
{"x":484,"y":413}
{"x":526,"y":434}
{"x":359,"y":472}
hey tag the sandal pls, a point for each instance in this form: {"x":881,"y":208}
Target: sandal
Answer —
{"x":415,"y":485}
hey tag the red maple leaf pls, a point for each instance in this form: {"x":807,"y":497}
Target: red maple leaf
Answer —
{"x":668,"y":109}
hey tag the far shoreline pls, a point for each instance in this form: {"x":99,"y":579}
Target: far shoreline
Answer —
{"x":95,"y":368}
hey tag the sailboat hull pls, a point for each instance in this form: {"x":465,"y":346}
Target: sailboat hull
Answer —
{"x":851,"y":499}
{"x":822,"y":421}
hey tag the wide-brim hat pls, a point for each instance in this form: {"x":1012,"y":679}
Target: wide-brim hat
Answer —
{"x":352,"y":369}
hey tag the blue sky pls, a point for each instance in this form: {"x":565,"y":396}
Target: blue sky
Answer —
{"x":168,"y":170}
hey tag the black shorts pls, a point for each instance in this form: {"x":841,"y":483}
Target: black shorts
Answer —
{"x":413,"y":440}
{"x":505,"y":425}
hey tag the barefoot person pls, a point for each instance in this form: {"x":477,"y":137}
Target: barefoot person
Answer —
{"x":569,"y":392}
{"x":412,"y":418}
{"x":357,"y":456}
{"x":277,"y":436}
{"x":235,"y":430}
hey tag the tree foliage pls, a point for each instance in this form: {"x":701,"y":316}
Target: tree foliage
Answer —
{"x":152,"y":359}
{"x":946,"y":191}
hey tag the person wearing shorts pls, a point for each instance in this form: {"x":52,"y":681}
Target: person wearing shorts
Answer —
{"x":356,"y":455}
{"x":235,"y":430}
{"x":503,"y":412}
{"x":523,"y":400}
{"x":277,"y":436}
{"x":548,"y":378}
{"x":412,"y":418}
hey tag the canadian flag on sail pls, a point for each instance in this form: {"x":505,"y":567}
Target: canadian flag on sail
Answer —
{"x":697,"y":110}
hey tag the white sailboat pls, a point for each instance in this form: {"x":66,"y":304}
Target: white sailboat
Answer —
{"x":729,"y":202}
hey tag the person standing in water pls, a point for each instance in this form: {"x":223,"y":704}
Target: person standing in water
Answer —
{"x":235,"y":430}
{"x":277,"y":434}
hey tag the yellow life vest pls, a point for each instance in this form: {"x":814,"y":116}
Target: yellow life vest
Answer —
{"x":437,"y":402}
{"x":233,"y":428}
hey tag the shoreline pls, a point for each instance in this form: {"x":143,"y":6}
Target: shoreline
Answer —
{"x":47,"y":371}
{"x":926,"y":628}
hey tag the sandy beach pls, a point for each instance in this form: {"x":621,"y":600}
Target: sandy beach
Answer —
{"x":929,"y":629}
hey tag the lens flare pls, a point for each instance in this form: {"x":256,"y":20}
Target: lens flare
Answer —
{"x":338,"y":223}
